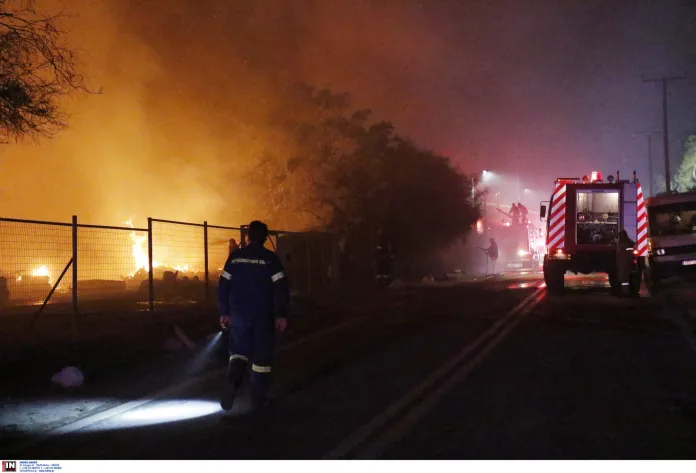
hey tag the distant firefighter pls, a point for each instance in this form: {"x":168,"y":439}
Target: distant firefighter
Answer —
{"x":383,"y":257}
{"x":523,"y":212}
{"x":514,"y":214}
{"x":624,"y":257}
{"x":491,"y":253}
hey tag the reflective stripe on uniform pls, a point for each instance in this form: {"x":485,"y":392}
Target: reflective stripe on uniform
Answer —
{"x":239,"y":357}
{"x":278,"y":276}
{"x":226,"y":275}
{"x":261,"y":369}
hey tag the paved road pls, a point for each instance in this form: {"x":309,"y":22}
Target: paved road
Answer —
{"x":494,"y":369}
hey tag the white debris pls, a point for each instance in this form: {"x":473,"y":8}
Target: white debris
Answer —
{"x":69,"y":377}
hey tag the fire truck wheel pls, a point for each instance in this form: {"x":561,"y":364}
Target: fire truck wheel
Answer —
{"x":634,"y":281}
{"x":614,"y":283}
{"x":554,"y":277}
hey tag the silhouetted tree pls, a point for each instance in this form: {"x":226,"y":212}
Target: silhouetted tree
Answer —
{"x":685,"y":178}
{"x":36,"y":69}
{"x":354,"y":176}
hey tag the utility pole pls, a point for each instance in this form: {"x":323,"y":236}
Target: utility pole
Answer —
{"x":665,"y":129}
{"x":649,"y":135}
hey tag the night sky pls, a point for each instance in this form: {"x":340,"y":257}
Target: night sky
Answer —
{"x":553,"y":87}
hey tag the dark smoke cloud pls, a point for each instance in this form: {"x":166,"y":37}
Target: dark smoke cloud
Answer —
{"x":190,"y":88}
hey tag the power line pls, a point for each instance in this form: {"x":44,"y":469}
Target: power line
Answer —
{"x":665,"y":128}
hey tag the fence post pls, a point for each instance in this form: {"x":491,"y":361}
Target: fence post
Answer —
{"x":73,"y":324}
{"x":205,"y":247}
{"x":151,"y":276}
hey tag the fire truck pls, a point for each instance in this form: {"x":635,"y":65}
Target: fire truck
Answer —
{"x":585,"y":216}
{"x":520,"y":244}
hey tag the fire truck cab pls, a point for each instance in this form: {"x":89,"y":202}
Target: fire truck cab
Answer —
{"x":672,"y":240}
{"x":584,"y":219}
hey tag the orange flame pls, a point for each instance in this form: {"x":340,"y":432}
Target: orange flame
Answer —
{"x":139,"y":252}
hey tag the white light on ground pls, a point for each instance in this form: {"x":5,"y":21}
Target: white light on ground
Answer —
{"x":36,"y":416}
{"x":168,"y":411}
{"x":159,"y":412}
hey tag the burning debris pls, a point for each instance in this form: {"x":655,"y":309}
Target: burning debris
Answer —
{"x":122,"y":267}
{"x":160,"y":270}
{"x":41,"y":271}
{"x":26,"y":285}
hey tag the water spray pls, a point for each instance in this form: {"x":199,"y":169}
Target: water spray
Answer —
{"x":200,"y":360}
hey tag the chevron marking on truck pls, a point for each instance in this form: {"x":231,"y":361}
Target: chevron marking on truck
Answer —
{"x":556,"y":236}
{"x":642,"y":233}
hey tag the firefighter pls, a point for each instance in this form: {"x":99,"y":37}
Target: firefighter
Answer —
{"x":383,"y":257}
{"x":514,"y":214}
{"x":624,"y":257}
{"x":253,"y":296}
{"x":492,"y":253}
{"x":523,"y":212}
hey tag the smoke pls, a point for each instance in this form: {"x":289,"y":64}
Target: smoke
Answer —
{"x":192,"y":89}
{"x":189,"y":92}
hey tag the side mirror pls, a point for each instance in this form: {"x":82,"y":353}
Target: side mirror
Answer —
{"x":542,"y":211}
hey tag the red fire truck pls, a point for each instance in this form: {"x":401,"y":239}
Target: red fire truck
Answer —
{"x":520,"y":244}
{"x":585,"y":217}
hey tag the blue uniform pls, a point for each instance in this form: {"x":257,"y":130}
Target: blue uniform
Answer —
{"x":253,"y":291}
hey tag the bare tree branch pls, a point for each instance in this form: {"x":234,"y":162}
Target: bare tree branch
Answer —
{"x":36,"y":70}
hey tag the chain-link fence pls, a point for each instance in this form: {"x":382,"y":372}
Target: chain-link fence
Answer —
{"x":219,"y":248}
{"x":179,"y":266}
{"x":79,"y":268}
{"x":33,"y":255}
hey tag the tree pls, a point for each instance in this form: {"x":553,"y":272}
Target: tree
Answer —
{"x":354,"y":177}
{"x":685,"y":179}
{"x":36,"y":70}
